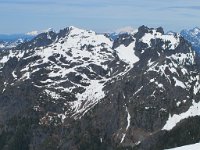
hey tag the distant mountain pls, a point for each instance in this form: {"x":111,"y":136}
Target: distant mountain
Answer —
{"x":35,"y":33}
{"x":8,"y":41}
{"x":14,"y":37}
{"x":79,"y":90}
{"x":124,"y":30}
{"x":10,"y":44}
{"x":193,"y":36}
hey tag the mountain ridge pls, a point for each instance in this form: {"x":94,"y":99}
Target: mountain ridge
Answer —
{"x":91,"y":92}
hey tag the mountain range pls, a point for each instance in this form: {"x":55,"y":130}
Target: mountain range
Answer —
{"x":8,"y":41}
{"x":193,"y":36}
{"x":79,"y":90}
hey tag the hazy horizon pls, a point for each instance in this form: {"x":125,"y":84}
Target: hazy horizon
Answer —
{"x":22,"y":16}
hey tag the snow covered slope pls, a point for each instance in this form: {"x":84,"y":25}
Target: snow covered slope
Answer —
{"x":188,"y":147}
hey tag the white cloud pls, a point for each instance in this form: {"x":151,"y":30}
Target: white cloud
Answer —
{"x":126,"y":29}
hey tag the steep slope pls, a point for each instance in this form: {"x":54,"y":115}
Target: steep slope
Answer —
{"x":81,"y":90}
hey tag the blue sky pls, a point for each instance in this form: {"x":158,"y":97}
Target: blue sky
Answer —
{"x":20,"y":16}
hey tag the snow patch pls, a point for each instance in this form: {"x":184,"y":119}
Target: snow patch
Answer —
{"x":85,"y":101}
{"x":127,"y":54}
{"x":179,"y":83}
{"x":52,"y":94}
{"x":187,"y":147}
{"x":127,"y":29}
{"x":194,"y":110}
{"x":138,"y":90}
{"x":128,"y":124}
{"x":14,"y":75}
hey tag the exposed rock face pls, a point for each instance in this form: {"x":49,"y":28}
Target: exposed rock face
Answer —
{"x":80,"y":90}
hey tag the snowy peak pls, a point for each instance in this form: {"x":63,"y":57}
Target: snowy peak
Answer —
{"x":121,"y":31}
{"x":148,"y":43}
{"x":149,"y":37}
{"x":156,"y":36}
{"x":127,"y":29}
{"x":35,"y":32}
{"x":49,"y":30}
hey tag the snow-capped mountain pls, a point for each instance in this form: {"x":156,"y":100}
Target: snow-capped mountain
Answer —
{"x":127,"y":29}
{"x":35,"y":33}
{"x":8,"y":41}
{"x":193,"y":36}
{"x":77,"y":89}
